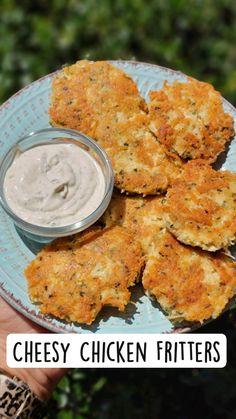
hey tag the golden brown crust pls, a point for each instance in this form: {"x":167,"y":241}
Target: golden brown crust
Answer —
{"x":87,"y":91}
{"x":189,"y":284}
{"x":141,"y":165}
{"x":103,"y":102}
{"x":74,"y":277}
{"x":189,"y":119}
{"x":142,"y":216}
{"x":201,"y":207}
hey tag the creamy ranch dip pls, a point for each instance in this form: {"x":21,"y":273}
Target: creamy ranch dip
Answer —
{"x":54,"y":185}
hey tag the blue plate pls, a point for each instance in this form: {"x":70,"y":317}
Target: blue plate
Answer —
{"x":27,"y":111}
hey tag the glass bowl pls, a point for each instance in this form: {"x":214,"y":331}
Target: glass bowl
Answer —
{"x":57,"y":136}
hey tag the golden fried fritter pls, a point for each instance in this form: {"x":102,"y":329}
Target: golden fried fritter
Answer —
{"x":189,"y":119}
{"x":200,"y":207}
{"x":87,"y":91}
{"x":189,"y":284}
{"x":74,"y":277}
{"x":142,"y":216}
{"x":141,"y":165}
{"x":103,"y":102}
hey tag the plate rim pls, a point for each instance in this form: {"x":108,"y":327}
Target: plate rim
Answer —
{"x":38,"y":318}
{"x":132,"y":62}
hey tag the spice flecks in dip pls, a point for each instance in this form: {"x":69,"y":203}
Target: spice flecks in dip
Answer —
{"x":54,"y":185}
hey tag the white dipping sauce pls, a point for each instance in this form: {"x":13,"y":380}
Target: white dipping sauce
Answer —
{"x":54,"y":185}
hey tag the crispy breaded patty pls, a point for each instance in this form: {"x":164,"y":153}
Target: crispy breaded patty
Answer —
{"x":189,"y":284}
{"x":141,"y":165}
{"x":103,"y":102}
{"x":142,"y":216}
{"x":189,"y":119}
{"x":74,"y":277}
{"x":87,"y":91}
{"x":200,"y":207}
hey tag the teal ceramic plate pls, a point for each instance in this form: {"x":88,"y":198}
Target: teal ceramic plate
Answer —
{"x":28,"y":111}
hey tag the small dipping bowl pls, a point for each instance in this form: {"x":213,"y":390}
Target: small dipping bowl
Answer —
{"x":48,"y":136}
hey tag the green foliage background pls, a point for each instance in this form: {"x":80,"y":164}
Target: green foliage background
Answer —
{"x":197,"y":37}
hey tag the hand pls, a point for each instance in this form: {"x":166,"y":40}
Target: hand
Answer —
{"x":41,"y":381}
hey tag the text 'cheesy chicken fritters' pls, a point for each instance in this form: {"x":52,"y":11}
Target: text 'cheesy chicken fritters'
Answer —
{"x":189,"y":284}
{"x":200,"y":207}
{"x":74,"y":277}
{"x":103,"y":102}
{"x":189,"y":119}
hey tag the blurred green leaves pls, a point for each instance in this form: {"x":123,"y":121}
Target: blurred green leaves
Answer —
{"x":195,"y":36}
{"x":75,"y":394}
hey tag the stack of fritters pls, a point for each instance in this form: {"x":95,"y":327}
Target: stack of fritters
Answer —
{"x":138,"y":236}
{"x":189,"y":283}
{"x":103,"y":101}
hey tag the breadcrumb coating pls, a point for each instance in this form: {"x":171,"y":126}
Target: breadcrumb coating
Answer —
{"x":87,"y":91}
{"x":103,"y":102}
{"x":189,"y":284}
{"x":74,"y":277}
{"x":144,"y":217}
{"x":200,"y":207}
{"x":189,"y":119}
{"x":141,"y":165}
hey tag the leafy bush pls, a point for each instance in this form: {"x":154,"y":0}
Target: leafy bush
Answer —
{"x":196,"y":36}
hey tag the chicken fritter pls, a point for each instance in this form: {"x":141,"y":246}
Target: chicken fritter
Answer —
{"x":189,"y":119}
{"x":141,"y":165}
{"x":87,"y":91}
{"x":103,"y":102}
{"x":142,"y":216}
{"x":200,"y":207}
{"x":74,"y":277}
{"x":189,"y":284}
